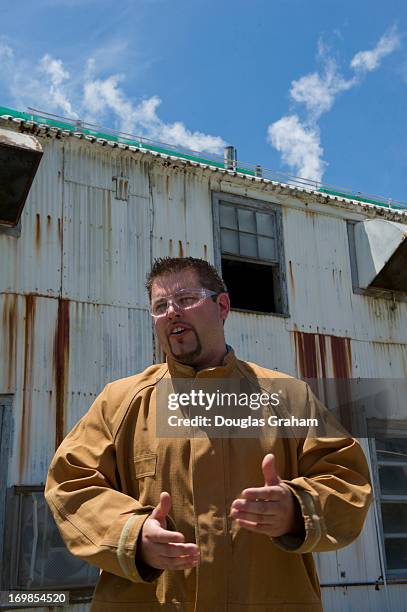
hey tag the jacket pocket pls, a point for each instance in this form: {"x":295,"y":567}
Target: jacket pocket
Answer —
{"x":145,"y":465}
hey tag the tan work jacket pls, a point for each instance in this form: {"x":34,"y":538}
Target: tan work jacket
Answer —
{"x":108,"y":474}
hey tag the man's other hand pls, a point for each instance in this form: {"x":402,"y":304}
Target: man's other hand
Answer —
{"x":272,"y":509}
{"x":163,"y":549}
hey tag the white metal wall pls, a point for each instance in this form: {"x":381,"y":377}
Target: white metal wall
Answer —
{"x":74,"y":312}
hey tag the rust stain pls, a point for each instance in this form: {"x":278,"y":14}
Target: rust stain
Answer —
{"x":292,"y":283}
{"x":29,"y":331}
{"x":180,"y":249}
{"x":170,"y":247}
{"x":9,"y":333}
{"x":61,"y":364}
{"x":342,"y":366}
{"x":59,"y":230}
{"x":322,"y":352}
{"x":306,"y":353}
{"x":307,"y":346}
{"x":167,"y":185}
{"x":341,"y":357}
{"x":206,"y":252}
{"x":37,"y":232}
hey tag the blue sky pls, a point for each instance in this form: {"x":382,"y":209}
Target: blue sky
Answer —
{"x":316,"y":89}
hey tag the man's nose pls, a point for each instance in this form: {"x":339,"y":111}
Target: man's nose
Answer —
{"x":172,"y":310}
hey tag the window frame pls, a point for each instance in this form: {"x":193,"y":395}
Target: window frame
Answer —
{"x":278,"y":268}
{"x":11,"y":551}
{"x":6,"y":431}
{"x":381,"y":429}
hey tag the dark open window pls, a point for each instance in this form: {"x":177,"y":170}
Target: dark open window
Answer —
{"x":248,"y":241}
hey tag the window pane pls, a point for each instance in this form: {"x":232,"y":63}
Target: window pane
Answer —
{"x":393,"y":480}
{"x":247,"y":220}
{"x":44,"y":560}
{"x":228,"y":216}
{"x":394,"y":517}
{"x":248,"y":245}
{"x":229,"y":241}
{"x":396,"y":553}
{"x":391,"y":449}
{"x":266,"y":224}
{"x":267,"y":248}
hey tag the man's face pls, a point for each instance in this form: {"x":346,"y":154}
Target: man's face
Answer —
{"x":201,"y":342}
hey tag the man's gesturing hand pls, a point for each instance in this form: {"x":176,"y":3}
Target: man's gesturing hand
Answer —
{"x":163,"y":549}
{"x":271,"y":509}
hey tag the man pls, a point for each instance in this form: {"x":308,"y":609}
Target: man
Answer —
{"x":201,"y":524}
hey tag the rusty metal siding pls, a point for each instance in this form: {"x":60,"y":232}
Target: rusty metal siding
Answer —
{"x":31,"y":263}
{"x":93,"y":166}
{"x":106,"y":251}
{"x":182,"y":216}
{"x":74,"y":313}
{"x":262,"y":339}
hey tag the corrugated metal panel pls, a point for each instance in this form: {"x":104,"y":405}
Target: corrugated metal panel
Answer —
{"x":32,"y":262}
{"x":182,"y":215}
{"x":96,"y":166}
{"x":106,"y":247}
{"x":379,"y":360}
{"x":318,"y":273}
{"x":358,"y":562}
{"x":262,"y":339}
{"x":107,"y":343}
{"x":378,"y":319}
{"x":30,"y":334}
{"x":341,"y":599}
{"x":59,"y":353}
{"x":350,"y":599}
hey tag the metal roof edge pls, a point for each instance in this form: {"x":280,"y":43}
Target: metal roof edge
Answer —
{"x":26,"y":121}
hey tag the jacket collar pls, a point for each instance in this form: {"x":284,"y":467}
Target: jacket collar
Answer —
{"x":179,"y":370}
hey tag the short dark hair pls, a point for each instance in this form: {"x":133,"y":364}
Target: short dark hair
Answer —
{"x":207,"y":274}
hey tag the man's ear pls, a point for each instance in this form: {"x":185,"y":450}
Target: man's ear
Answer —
{"x":224,"y":305}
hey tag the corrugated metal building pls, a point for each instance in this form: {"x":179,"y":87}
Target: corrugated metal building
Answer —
{"x":74,"y":315}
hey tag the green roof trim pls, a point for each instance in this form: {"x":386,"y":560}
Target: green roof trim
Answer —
{"x":70,"y":127}
{"x":351,"y":196}
{"x":114,"y":137}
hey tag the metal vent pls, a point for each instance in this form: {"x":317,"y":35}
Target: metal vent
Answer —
{"x":381,"y":254}
{"x":121,"y":188}
{"x":20,"y":155}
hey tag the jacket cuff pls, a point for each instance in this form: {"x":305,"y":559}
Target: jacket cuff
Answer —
{"x":313,"y":524}
{"x":126,"y":549}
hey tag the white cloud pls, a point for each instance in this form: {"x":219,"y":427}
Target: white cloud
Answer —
{"x":318,"y":92}
{"x":102,"y":96}
{"x":299,"y":141}
{"x":299,"y":146}
{"x":366,"y":61}
{"x":48,"y":86}
{"x":56,"y":74}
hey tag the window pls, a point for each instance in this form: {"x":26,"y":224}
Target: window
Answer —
{"x":249,"y":253}
{"x":391,"y":489}
{"x":5,"y":449}
{"x":35,"y":555}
